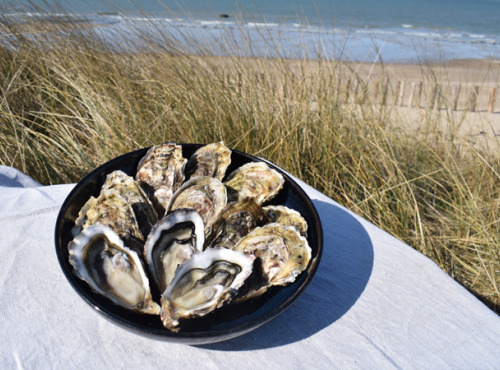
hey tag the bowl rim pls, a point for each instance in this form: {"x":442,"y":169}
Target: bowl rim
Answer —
{"x":192,"y":337}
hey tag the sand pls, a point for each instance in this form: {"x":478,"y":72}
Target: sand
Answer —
{"x":473,"y":81}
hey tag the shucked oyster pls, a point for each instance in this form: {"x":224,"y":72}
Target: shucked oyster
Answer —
{"x":161,"y":173}
{"x":205,"y":194}
{"x":204,"y":283}
{"x":235,"y":221}
{"x":210,"y":160}
{"x":254,"y":180}
{"x":111,"y":269}
{"x":284,"y":254}
{"x":286,"y":217}
{"x":112,"y":210}
{"x":171,"y":242}
{"x":133,"y":194}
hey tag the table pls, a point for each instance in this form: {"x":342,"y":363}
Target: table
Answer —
{"x":374,"y":303}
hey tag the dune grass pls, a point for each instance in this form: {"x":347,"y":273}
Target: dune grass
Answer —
{"x":68,"y":103}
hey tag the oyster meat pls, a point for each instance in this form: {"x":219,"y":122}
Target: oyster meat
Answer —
{"x":254,"y":180}
{"x":111,"y":269}
{"x":205,"y":194}
{"x":287,"y":217}
{"x":111,"y":209}
{"x":133,"y":194}
{"x":204,"y":283}
{"x":283,"y":252}
{"x":171,"y":242}
{"x":160,"y":173}
{"x":210,"y":160}
{"x":235,"y":221}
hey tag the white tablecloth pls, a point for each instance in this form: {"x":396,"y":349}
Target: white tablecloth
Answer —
{"x":374,"y":303}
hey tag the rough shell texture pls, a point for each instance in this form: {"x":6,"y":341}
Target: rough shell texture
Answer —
{"x":287,"y":217}
{"x":160,"y":173}
{"x":111,"y":209}
{"x":284,"y":254}
{"x":133,"y":194}
{"x":205,"y":194}
{"x":235,"y":221}
{"x":111,"y":269}
{"x":254,"y":180}
{"x":210,"y":160}
{"x":172,"y":242}
{"x":204,"y":283}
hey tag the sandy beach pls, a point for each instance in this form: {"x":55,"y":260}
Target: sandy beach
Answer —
{"x":463,"y":95}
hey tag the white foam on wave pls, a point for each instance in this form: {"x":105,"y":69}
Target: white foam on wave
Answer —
{"x":262,"y":24}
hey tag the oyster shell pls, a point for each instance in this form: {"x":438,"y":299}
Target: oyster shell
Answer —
{"x":254,"y":180}
{"x":287,"y":217}
{"x":112,"y":210}
{"x":204,"y":283}
{"x":205,"y":194}
{"x":171,"y":242}
{"x":210,"y":160}
{"x":111,"y":269}
{"x":235,"y":221}
{"x":284,"y":254}
{"x":160,"y":173}
{"x":133,"y":194}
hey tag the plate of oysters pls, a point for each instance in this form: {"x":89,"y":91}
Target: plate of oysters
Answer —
{"x":189,"y":243}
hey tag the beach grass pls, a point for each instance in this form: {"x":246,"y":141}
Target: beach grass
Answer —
{"x":70,"y":102}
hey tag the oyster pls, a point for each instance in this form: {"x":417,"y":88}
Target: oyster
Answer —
{"x":254,"y":180}
{"x":210,"y":160}
{"x":235,"y":221}
{"x":160,"y":173}
{"x":205,"y":194}
{"x":111,"y":269}
{"x":204,"y":283}
{"x":171,"y":242}
{"x":284,"y":254}
{"x":111,"y":209}
{"x":133,"y":194}
{"x":287,"y":217}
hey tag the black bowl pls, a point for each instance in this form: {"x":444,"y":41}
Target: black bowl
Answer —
{"x":228,"y":322}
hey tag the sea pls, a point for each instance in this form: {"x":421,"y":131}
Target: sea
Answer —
{"x":357,"y":30}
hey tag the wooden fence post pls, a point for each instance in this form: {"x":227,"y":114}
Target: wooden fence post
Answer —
{"x":435,"y":91}
{"x":493,"y":94}
{"x":385,"y":91}
{"x":401,"y":94}
{"x":456,"y":93}
{"x":396,"y":93}
{"x":239,"y":83}
{"x":419,"y":93}
{"x":412,"y":93}
{"x":473,"y":98}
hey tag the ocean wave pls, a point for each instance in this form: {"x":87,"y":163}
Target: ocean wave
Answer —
{"x":293,"y":34}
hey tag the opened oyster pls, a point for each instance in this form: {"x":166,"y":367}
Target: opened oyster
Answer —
{"x":204,"y":283}
{"x":235,"y":221}
{"x":210,"y":160}
{"x":161,"y":172}
{"x":111,"y":269}
{"x":171,"y":242}
{"x":254,"y":180}
{"x":284,"y":254}
{"x":286,"y":217}
{"x":205,"y":194}
{"x":133,"y":194}
{"x":112,"y":210}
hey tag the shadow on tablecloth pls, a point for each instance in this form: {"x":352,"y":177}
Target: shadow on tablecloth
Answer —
{"x":342,"y":276}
